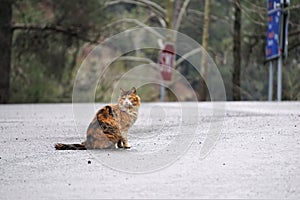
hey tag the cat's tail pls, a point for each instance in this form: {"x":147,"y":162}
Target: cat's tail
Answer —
{"x":60,"y":146}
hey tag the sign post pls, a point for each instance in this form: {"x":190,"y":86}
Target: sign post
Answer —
{"x":276,"y":45}
{"x":166,"y":61}
{"x":270,"y":81}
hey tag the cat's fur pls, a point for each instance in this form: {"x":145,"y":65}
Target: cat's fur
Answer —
{"x":110,"y":125}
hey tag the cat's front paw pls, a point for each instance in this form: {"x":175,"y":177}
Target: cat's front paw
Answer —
{"x":127,"y":146}
{"x":120,"y":144}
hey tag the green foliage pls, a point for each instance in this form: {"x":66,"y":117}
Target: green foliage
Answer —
{"x":47,"y":54}
{"x":34,"y":85}
{"x":45,"y":49}
{"x":291,"y":83}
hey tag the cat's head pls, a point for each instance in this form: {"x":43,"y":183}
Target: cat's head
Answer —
{"x":129,"y":99}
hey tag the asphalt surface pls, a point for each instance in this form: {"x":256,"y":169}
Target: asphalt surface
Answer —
{"x":232,"y":150}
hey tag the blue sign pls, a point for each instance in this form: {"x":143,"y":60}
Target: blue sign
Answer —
{"x":273,"y":4}
{"x":273,"y":32}
{"x":273,"y":42}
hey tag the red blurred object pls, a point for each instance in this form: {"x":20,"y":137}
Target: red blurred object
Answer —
{"x":166,"y":61}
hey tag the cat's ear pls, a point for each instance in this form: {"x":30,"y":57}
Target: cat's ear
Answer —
{"x":133,"y":90}
{"x":122,"y":91}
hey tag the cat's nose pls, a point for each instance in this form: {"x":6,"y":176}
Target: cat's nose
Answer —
{"x":127,"y":103}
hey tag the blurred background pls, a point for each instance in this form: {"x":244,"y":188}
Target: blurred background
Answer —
{"x":43,"y":43}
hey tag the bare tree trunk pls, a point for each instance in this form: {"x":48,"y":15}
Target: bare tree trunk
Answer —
{"x":5,"y":48}
{"x":176,"y":11}
{"x":169,"y":15}
{"x":236,"y":82}
{"x":205,"y":36}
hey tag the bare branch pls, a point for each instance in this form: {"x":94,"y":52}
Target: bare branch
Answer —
{"x":140,"y":59}
{"x":185,"y":56}
{"x":137,"y":22}
{"x":146,"y":3}
{"x":153,"y":5}
{"x":295,"y":33}
{"x":74,"y":32}
{"x":137,"y":59}
{"x":294,"y":46}
{"x":213,"y":17}
{"x":182,"y":12}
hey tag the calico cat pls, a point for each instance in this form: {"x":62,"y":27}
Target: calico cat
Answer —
{"x":110,"y":125}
